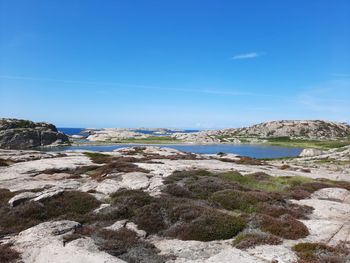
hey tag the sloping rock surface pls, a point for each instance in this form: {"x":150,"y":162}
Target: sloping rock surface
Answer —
{"x":23,"y":134}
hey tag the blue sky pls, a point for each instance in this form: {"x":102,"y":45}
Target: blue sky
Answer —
{"x":185,"y":63}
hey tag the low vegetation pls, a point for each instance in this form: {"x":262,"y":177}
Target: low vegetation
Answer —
{"x":302,"y":143}
{"x":72,"y":205}
{"x":244,"y":160}
{"x":284,"y":226}
{"x":8,"y":254}
{"x":151,"y":140}
{"x":250,"y":240}
{"x":321,"y":253}
{"x":260,"y":199}
{"x":4,"y":162}
{"x":112,"y":164}
{"x":122,"y":243}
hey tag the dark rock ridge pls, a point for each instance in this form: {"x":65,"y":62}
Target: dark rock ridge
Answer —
{"x":24,"y":134}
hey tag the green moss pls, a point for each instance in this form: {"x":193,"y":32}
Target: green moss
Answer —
{"x":301,"y":143}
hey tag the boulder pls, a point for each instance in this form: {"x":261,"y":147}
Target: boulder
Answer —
{"x":309,"y":152}
{"x":21,"y":198}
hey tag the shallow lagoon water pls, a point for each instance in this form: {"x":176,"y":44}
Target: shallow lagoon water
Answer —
{"x":255,"y":151}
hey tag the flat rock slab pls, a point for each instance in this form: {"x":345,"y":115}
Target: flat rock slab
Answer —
{"x":336,"y":194}
{"x":274,"y":253}
{"x":43,"y":243}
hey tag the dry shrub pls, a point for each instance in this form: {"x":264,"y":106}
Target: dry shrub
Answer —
{"x":277,"y":209}
{"x":131,"y":198}
{"x":259,"y":176}
{"x":4,"y":162}
{"x":299,"y":194}
{"x":250,"y":240}
{"x":286,"y":227}
{"x":5,"y":196}
{"x":177,"y":190}
{"x":177,"y":176}
{"x":208,"y":226}
{"x":99,"y":158}
{"x":122,"y":243}
{"x":285,"y":167}
{"x":249,"y":161}
{"x":118,"y":165}
{"x":8,"y":254}
{"x":71,"y":205}
{"x":187,"y":220}
{"x":125,"y":203}
{"x":235,"y":200}
{"x":321,"y":253}
{"x":151,"y":218}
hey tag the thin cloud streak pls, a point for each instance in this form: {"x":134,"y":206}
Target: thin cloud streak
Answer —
{"x":249,"y":55}
{"x":341,"y":75}
{"x":121,"y":85}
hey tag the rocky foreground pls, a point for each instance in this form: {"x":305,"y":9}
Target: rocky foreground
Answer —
{"x":150,"y":204}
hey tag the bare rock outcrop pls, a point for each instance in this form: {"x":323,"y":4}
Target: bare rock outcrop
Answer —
{"x":311,"y":129}
{"x":24,"y":134}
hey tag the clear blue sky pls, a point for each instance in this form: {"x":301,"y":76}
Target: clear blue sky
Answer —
{"x":183,"y":63}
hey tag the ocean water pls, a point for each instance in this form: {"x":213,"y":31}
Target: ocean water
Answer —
{"x":71,"y":131}
{"x":255,"y":151}
{"x":77,"y":131}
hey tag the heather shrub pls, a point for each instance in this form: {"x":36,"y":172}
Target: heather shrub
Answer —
{"x":250,"y":240}
{"x":8,"y":254}
{"x":286,"y":227}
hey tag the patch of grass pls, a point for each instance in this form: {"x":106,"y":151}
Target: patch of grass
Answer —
{"x":151,"y":140}
{"x":250,"y":240}
{"x":8,"y":254}
{"x":321,"y":253}
{"x":301,"y":143}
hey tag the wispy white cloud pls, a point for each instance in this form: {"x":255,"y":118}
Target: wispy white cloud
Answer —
{"x":103,"y":87}
{"x":247,"y":55}
{"x":330,"y":100}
